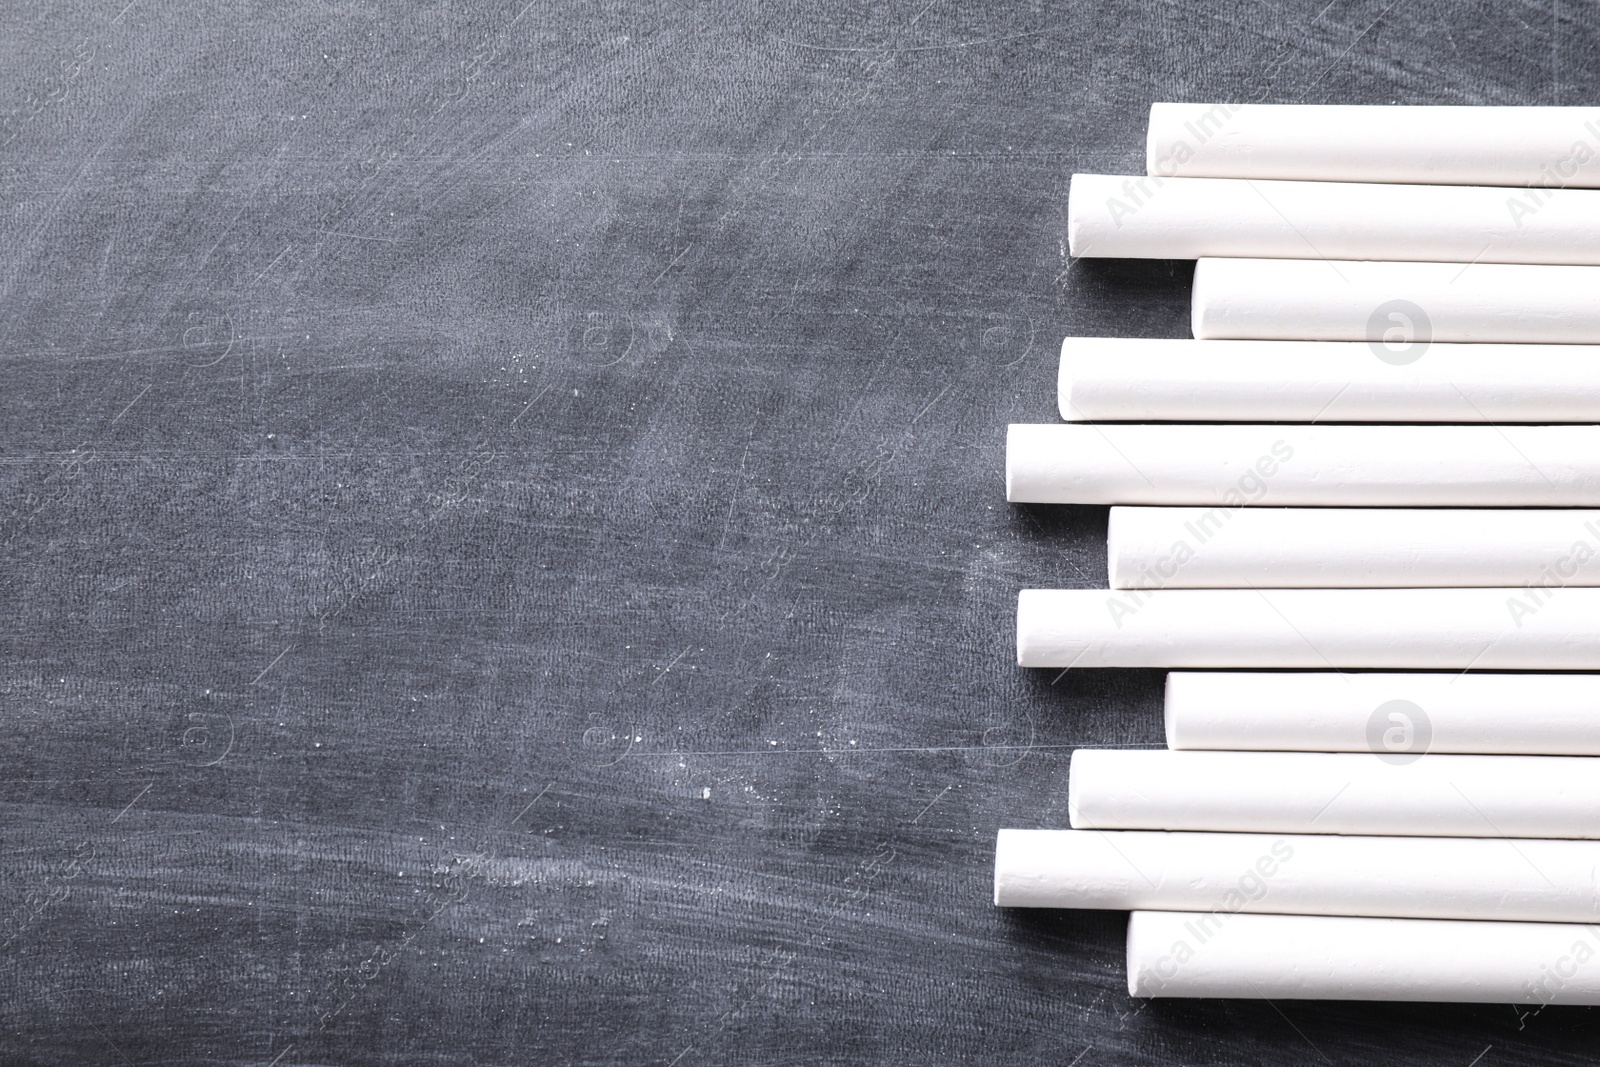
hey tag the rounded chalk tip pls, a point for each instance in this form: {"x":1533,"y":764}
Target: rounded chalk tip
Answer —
{"x":1000,"y":866}
{"x":1011,"y":462}
{"x":1074,"y":216}
{"x":1113,"y":572}
{"x":1065,"y":376}
{"x":1169,"y":716}
{"x":1199,"y":300}
{"x":1134,"y":957}
{"x":1022,"y":628}
{"x":1074,"y":820}
{"x":1152,"y":137}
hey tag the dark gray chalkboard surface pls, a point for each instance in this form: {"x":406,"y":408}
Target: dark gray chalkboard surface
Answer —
{"x":503,"y":549}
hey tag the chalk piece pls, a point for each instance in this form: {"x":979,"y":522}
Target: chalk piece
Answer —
{"x":1127,"y":379}
{"x":1317,"y":957}
{"x":1388,"y":793}
{"x":1304,"y":874}
{"x":1545,"y":147}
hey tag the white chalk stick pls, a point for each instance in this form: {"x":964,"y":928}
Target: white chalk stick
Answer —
{"x":1335,"y":793}
{"x":1304,"y":874}
{"x":1395,"y":305}
{"x":1351,"y":548}
{"x":1321,"y":629}
{"x":1231,"y":466}
{"x":1518,"y":146}
{"x":1136,"y":379}
{"x":1319,"y":957}
{"x":1190,"y":218}
{"x":1549,"y":714}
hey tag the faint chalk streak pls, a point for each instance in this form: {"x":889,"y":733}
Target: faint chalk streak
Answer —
{"x":676,"y":260}
{"x":917,"y":48}
{"x":263,"y":274}
{"x":359,"y":237}
{"x":932,"y":802}
{"x":532,"y":402}
{"x":929,"y":749}
{"x":114,"y":21}
{"x":273,"y":664}
{"x":524,"y":811}
{"x":131,"y":803}
{"x":290,"y":1049}
{"x":1086,"y":1050}
{"x":669,"y":666}
{"x":132,"y":402}
{"x":1480,"y":1056}
{"x":929,"y":406}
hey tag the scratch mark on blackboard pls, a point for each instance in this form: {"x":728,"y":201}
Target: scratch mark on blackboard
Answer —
{"x":936,"y":799}
{"x":269,"y":266}
{"x":926,"y":8}
{"x":923,"y":47}
{"x":359,"y":237}
{"x":131,"y":803}
{"x":132,"y":402}
{"x":532,"y":402}
{"x":675,"y":261}
{"x":531,"y":803}
{"x":669,"y":666}
{"x":273,"y":664}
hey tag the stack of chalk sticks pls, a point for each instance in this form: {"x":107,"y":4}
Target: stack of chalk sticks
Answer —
{"x":1352,"y":512}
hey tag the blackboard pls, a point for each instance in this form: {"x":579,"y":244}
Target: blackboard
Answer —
{"x":505,"y":556}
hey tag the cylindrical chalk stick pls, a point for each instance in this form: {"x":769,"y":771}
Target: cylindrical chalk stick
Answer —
{"x":1548,"y":147}
{"x":1305,"y":874}
{"x":1395,"y":305}
{"x":1188,"y":218}
{"x":1230,"y":466}
{"x":1351,"y":548}
{"x":1136,"y":379}
{"x":1335,"y":793}
{"x":1322,"y":629}
{"x":1320,"y":957}
{"x":1551,"y":714}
